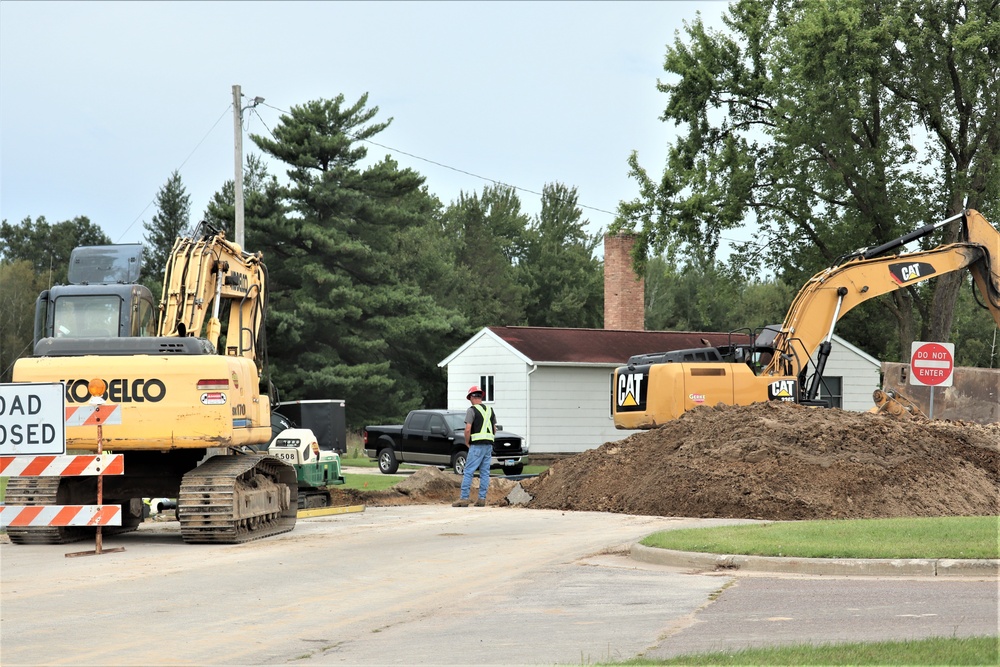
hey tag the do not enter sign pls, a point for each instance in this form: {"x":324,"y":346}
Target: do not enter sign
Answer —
{"x":932,"y":364}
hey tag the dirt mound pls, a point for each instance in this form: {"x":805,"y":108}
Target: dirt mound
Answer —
{"x":423,"y":487}
{"x":783,"y":461}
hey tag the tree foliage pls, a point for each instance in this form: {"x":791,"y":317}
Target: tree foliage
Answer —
{"x":821,"y":127}
{"x":488,"y":233}
{"x":47,"y":247}
{"x":563,"y":280}
{"x":172,"y":218}
{"x":19,"y":287}
{"x":350,"y":323}
{"x":704,"y":297}
{"x":261,"y":199}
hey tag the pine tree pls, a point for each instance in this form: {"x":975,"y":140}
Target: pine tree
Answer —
{"x":345,"y":320}
{"x":172,"y":218}
{"x":488,"y":234}
{"x":563,"y":279}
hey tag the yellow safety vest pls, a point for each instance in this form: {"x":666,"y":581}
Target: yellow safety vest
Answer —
{"x":486,"y":433}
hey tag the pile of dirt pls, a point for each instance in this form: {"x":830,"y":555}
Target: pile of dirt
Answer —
{"x":783,"y":461}
{"x":425,"y":486}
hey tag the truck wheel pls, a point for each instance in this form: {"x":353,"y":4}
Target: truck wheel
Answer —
{"x":387,"y":462}
{"x":458,"y":462}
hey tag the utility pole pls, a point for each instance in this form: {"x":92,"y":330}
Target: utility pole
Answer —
{"x":238,"y":179}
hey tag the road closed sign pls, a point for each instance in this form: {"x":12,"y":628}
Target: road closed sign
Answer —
{"x":932,"y":364}
{"x":32,"y":418}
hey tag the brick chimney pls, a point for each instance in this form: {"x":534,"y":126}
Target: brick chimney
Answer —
{"x":623,"y":290}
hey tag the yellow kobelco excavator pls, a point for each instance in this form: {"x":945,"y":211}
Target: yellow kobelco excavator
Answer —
{"x":183,"y":392}
{"x":779,"y":365}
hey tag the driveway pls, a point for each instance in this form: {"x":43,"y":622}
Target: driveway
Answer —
{"x":425,"y":584}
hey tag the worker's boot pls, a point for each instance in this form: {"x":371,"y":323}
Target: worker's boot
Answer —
{"x":460,"y":503}
{"x":480,"y":503}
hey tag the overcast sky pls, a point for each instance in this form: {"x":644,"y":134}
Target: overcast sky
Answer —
{"x":101,"y":101}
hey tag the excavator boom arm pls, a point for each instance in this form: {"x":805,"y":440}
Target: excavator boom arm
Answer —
{"x":204,"y":276}
{"x":831,"y":293}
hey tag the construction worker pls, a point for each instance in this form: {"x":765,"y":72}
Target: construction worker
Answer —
{"x":480,"y":428}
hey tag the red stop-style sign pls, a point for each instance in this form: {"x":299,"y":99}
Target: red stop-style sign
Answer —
{"x":932,"y":364}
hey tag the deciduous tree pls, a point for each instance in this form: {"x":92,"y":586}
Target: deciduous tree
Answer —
{"x":48,"y":246}
{"x":821,"y":127}
{"x":19,"y":287}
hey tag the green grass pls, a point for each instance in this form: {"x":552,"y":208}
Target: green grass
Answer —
{"x":925,"y":537}
{"x":376,"y":482}
{"x":935,"y":651}
{"x":351,"y":459}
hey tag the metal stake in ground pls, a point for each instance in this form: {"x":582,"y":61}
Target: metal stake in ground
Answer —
{"x":97,"y":387}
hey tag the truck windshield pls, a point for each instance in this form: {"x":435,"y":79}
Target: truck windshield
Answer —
{"x":87,"y":316}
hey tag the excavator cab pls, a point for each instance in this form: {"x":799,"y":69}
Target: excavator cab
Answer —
{"x":102,"y":300}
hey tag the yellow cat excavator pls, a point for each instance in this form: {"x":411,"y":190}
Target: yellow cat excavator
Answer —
{"x":786,"y":363}
{"x":183,"y":392}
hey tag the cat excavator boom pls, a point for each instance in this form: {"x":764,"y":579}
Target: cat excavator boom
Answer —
{"x":786,"y":363}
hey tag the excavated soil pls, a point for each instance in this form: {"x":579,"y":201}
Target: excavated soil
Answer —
{"x":424,"y":487}
{"x":784,"y":461}
{"x":766,"y":461}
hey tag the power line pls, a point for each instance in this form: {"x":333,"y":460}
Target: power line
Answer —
{"x":462,"y":171}
{"x":193,"y":151}
{"x":446,"y":166}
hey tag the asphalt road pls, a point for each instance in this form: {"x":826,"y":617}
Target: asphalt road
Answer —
{"x":436,"y":585}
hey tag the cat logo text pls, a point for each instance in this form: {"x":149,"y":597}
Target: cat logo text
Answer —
{"x":630,"y":391}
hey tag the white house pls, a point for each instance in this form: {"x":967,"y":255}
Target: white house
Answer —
{"x":553,"y":386}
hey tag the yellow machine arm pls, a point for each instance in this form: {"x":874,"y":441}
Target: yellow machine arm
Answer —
{"x":831,"y":293}
{"x":648,"y":393}
{"x":213,"y":273}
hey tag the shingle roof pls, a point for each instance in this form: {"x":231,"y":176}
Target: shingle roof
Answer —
{"x":554,"y":345}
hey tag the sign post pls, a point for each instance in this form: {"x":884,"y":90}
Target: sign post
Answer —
{"x":97,"y":387}
{"x":33,"y":420}
{"x":932,"y":365}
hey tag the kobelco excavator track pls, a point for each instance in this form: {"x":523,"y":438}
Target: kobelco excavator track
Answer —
{"x":237,"y":498}
{"x":46,"y":491}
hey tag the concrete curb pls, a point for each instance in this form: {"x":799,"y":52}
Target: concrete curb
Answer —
{"x":916,"y":567}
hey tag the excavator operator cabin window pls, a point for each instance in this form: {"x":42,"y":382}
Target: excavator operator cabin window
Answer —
{"x":147,"y":319}
{"x":86,"y":316}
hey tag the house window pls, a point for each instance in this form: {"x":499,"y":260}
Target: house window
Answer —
{"x":831,"y":390}
{"x":486,"y":384}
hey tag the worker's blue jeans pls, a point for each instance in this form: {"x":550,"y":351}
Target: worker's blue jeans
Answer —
{"x":479,"y":458}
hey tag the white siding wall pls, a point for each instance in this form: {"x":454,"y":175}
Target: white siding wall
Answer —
{"x":487,"y":356}
{"x":571,"y":409}
{"x":860,"y":374}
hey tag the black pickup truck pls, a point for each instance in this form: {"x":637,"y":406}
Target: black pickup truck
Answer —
{"x":437,"y":437}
